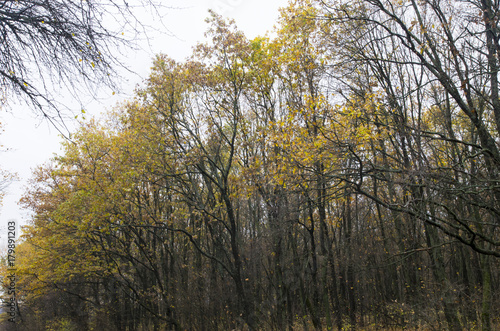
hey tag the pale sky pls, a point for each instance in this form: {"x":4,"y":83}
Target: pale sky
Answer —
{"x":32,"y":142}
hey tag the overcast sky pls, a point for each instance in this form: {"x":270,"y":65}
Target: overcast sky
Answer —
{"x":31,"y":141}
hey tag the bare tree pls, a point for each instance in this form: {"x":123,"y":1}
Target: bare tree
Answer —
{"x":63,"y":44}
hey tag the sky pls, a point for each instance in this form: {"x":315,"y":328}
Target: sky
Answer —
{"x":29,"y":141}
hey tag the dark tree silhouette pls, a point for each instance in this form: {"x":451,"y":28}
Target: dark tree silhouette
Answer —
{"x":73,"y":45}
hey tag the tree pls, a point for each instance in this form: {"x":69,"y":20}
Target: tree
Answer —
{"x":429,"y":60}
{"x":404,"y":41}
{"x":94,"y":239}
{"x":47,"y":45}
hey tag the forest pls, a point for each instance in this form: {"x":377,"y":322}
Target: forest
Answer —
{"x":339,"y":173}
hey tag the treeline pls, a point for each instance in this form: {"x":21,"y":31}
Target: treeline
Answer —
{"x":342,"y":174}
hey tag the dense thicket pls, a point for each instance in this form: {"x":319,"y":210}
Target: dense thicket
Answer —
{"x":343,"y":174}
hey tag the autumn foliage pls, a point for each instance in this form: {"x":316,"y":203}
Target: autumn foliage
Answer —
{"x":340,"y":174}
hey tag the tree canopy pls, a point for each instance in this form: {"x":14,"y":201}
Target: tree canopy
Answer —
{"x":341,"y":174}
